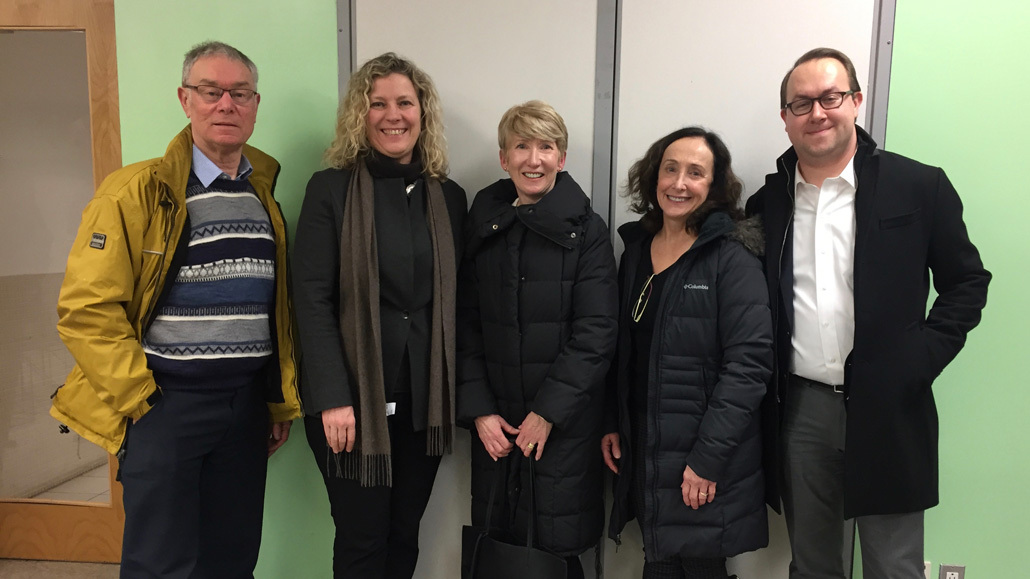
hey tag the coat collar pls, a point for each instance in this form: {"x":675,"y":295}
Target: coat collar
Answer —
{"x":867,"y":157}
{"x":747,"y":232}
{"x":559,"y":216}
{"x":866,"y":147}
{"x":778,"y":213}
{"x":174,"y":168}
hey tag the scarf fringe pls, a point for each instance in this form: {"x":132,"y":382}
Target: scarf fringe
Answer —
{"x":439,"y":439}
{"x":370,"y":471}
{"x":376,"y":470}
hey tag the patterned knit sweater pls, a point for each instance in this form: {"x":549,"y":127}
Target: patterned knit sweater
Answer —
{"x":212,"y":329}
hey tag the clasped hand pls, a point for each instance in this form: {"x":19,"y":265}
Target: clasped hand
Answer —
{"x":531,"y":435}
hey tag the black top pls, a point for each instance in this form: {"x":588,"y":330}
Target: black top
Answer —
{"x":642,"y":331}
{"x":404,"y":249}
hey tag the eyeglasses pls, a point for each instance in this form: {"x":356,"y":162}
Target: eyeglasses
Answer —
{"x":830,"y":100}
{"x":645,"y":296}
{"x":212,"y":94}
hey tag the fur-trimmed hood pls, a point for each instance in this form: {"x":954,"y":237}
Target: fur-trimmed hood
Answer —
{"x":748,"y":232}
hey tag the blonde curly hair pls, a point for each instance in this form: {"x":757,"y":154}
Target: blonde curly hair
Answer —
{"x":351,"y":140}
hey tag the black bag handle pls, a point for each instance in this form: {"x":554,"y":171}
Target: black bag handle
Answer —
{"x":531,"y":532}
{"x":498,"y":477}
{"x":531,"y":527}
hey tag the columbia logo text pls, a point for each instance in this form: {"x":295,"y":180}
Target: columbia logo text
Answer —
{"x":695,"y":286}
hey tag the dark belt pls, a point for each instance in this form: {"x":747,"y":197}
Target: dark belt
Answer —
{"x":806,"y":382}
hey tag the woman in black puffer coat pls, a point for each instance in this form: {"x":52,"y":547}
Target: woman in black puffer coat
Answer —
{"x":694,"y":357}
{"x":537,"y":307}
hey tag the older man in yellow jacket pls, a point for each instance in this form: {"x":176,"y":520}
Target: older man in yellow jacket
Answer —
{"x":175,"y":308}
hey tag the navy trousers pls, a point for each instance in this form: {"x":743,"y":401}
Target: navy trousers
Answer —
{"x":193,"y":475}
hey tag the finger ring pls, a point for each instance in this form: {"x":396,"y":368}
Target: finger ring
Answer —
{"x":531,"y":446}
{"x":702,"y":495}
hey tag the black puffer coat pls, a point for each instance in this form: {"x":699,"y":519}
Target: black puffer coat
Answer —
{"x":537,"y":308}
{"x":711,"y":358}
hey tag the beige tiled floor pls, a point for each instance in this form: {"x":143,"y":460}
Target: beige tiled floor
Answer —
{"x":92,"y":486}
{"x":15,"y":569}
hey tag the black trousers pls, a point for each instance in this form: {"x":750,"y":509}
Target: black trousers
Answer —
{"x":193,"y":476}
{"x":377,"y":527}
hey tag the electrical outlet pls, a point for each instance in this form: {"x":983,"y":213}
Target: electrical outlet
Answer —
{"x":927,"y":569}
{"x":952,"y":572}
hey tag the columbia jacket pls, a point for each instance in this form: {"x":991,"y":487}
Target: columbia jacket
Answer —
{"x":711,"y":358}
{"x":116,"y":271}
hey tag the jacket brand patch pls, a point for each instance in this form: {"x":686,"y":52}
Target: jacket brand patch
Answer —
{"x":98,"y":241}
{"x":695,"y":286}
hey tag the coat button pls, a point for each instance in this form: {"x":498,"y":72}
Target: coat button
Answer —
{"x":406,"y":314}
{"x":494,"y":227}
{"x":573,"y":235}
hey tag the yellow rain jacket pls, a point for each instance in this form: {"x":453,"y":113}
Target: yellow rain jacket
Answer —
{"x":116,"y":269}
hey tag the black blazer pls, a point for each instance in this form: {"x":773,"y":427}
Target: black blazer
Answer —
{"x":908,"y":224}
{"x":405,"y":286}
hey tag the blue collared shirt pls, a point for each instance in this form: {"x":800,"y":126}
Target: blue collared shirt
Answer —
{"x":207,"y":171}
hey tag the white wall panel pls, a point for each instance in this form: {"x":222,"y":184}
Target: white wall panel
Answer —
{"x":487,"y":56}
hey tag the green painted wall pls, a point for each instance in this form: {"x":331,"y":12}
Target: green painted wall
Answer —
{"x":959,"y":82}
{"x":294,"y":46}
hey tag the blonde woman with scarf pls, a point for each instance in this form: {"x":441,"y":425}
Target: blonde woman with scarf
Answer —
{"x":374,"y":270}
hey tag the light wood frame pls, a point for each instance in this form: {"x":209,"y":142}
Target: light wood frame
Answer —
{"x":66,"y":530}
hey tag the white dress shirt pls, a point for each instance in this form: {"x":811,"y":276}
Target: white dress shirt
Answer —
{"x":824,"y":287}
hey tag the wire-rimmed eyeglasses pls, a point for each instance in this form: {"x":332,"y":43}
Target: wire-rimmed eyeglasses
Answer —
{"x":645,"y":296}
{"x":830,"y":100}
{"x":212,"y":94}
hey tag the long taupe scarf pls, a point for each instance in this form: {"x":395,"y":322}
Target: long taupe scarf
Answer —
{"x":369,"y":463}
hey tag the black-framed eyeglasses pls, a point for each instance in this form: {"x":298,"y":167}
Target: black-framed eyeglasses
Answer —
{"x":645,"y":296}
{"x":212,"y":94}
{"x":830,"y":100}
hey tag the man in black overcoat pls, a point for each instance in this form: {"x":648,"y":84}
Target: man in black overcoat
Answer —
{"x":853,"y":234}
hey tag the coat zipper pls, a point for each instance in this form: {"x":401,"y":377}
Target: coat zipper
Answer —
{"x":652,"y":402}
{"x":170,"y":211}
{"x":783,"y":246}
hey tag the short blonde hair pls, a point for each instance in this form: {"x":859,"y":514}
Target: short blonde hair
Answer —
{"x":351,"y":140}
{"x":533,"y":120}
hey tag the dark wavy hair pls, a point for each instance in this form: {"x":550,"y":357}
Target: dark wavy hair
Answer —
{"x":723,"y":194}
